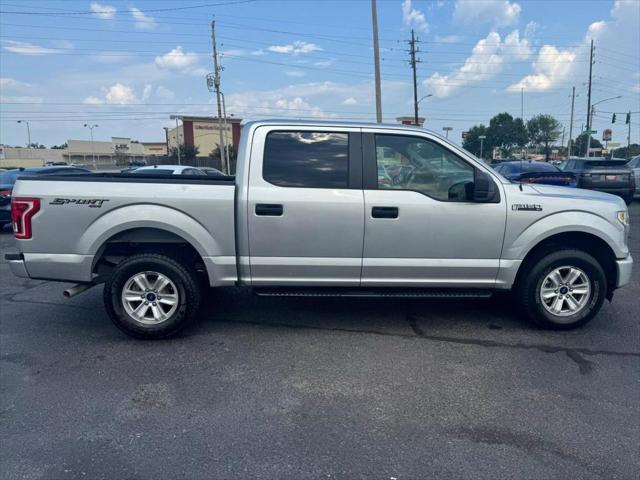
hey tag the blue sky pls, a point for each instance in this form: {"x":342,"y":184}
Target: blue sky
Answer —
{"x":128,"y":65}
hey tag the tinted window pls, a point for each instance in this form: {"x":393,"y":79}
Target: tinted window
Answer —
{"x":413,"y":163}
{"x":604,"y":163}
{"x":307,"y":159}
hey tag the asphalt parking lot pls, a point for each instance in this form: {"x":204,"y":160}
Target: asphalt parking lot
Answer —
{"x":317,"y":388}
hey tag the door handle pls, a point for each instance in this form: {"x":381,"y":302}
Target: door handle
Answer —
{"x":384,"y":212}
{"x":269,"y":210}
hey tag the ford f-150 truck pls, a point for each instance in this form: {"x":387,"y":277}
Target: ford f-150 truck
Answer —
{"x":323,"y":209}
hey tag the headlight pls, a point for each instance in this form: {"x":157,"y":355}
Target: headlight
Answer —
{"x":623,"y":217}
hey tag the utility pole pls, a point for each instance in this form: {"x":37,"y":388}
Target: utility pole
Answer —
{"x":413,"y":62}
{"x":216,"y":83}
{"x":629,"y":135}
{"x":522,"y":104}
{"x":573,"y":100}
{"x":172,"y":117}
{"x":589,"y":108}
{"x":376,"y":60}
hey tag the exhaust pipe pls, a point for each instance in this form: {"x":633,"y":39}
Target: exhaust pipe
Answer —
{"x":76,"y":289}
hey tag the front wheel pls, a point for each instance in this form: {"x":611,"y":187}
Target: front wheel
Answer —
{"x":562,"y":290}
{"x":151,"y":296}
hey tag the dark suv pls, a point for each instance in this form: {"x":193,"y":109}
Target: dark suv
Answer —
{"x":609,"y":176}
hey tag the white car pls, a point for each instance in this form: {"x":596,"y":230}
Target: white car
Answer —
{"x":169,"y":170}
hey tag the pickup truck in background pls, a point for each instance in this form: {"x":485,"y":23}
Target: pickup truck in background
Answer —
{"x":309,"y":213}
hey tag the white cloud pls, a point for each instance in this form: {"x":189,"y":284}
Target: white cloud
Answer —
{"x":177,"y":60}
{"x":551,"y":68}
{"x":120,"y":94}
{"x":146,"y":92}
{"x":413,"y":17}
{"x":323,"y":63}
{"x":295,"y":48}
{"x":24,"y":48}
{"x":295,"y":73}
{"x":499,"y":13}
{"x":142,"y":22}
{"x":106,"y":12}
{"x":349,"y":101}
{"x":554,"y":66}
{"x":258,"y":52}
{"x":486,"y":61}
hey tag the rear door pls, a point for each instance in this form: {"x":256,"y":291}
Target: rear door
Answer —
{"x":423,"y":229}
{"x":305,"y":206}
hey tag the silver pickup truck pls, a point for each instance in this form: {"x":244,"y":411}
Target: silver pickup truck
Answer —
{"x":323,"y":209}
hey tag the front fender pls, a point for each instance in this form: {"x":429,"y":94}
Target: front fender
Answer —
{"x":518,"y":244}
{"x":148,"y":216}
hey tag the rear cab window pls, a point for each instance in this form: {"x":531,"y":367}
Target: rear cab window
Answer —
{"x":306,"y":159}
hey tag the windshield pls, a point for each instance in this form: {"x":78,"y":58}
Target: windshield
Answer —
{"x":9,"y":178}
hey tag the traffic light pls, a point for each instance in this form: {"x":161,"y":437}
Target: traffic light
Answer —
{"x":613,"y":119}
{"x":628,"y":120}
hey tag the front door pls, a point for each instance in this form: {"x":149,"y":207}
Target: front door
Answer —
{"x":422,"y":228}
{"x":306,"y":207}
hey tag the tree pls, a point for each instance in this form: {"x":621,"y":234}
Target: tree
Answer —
{"x":580,"y":145}
{"x":188,"y":153}
{"x":233,"y":157}
{"x":507,"y":133}
{"x":634,"y":149}
{"x":472,"y":142}
{"x":543,"y":130}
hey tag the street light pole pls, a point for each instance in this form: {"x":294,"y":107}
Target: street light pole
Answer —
{"x":28,"y":135}
{"x":481,"y":137}
{"x":424,"y":114}
{"x":446,"y":131}
{"x":590,"y":119}
{"x":93,"y":152}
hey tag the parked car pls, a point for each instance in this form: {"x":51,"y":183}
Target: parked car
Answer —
{"x":308,"y":214}
{"x":212,"y":171}
{"x":634,"y":165}
{"x":55,"y":164}
{"x":609,"y":176}
{"x":528,"y":171}
{"x":8,"y":179}
{"x":167,"y":170}
{"x":136,"y":163}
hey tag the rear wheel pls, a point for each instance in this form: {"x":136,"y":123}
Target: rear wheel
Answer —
{"x":562,"y":290}
{"x":151,"y":296}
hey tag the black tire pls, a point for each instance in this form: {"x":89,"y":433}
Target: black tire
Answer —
{"x":186,"y":285}
{"x":528,"y":289}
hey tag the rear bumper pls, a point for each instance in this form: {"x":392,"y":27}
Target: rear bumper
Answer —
{"x":620,"y":191}
{"x":60,"y":267}
{"x":624,"y":267}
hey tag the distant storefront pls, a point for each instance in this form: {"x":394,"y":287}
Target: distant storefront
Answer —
{"x":204,"y":133}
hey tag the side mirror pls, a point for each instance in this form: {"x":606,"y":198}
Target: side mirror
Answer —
{"x":484,"y":188}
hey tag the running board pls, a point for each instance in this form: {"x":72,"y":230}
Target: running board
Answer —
{"x":374,"y":292}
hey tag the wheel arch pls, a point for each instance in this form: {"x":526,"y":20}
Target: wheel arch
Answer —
{"x":588,"y":242}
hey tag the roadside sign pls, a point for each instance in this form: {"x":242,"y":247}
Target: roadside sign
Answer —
{"x":590,"y":132}
{"x":464,"y":135}
{"x":613,"y":144}
{"x":606,"y":134}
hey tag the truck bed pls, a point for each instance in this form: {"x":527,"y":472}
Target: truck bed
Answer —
{"x":79,"y":214}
